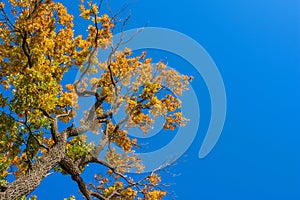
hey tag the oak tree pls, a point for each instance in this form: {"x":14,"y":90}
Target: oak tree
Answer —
{"x":38,"y":48}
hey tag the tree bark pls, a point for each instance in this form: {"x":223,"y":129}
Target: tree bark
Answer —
{"x":27,"y":183}
{"x":74,"y":171}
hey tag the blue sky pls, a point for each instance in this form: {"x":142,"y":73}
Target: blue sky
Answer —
{"x":256,"y":46}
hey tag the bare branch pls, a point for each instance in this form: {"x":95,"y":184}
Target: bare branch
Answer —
{"x":26,"y":49}
{"x":74,"y":171}
{"x":34,"y":136}
{"x":54,"y":126}
{"x":6,"y":19}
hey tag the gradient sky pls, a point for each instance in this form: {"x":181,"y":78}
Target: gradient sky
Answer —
{"x":256,"y":46}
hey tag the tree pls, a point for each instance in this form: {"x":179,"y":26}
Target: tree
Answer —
{"x":37,"y":49}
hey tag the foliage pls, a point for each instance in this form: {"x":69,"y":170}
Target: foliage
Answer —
{"x":37,"y":49}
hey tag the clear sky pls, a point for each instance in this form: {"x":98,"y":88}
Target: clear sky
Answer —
{"x":256,"y":46}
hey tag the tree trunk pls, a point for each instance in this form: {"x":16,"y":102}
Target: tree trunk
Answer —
{"x":27,"y":183}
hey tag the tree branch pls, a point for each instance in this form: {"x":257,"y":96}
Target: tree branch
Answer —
{"x":68,"y":165}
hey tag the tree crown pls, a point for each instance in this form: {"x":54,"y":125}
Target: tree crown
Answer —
{"x":38,"y":48}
